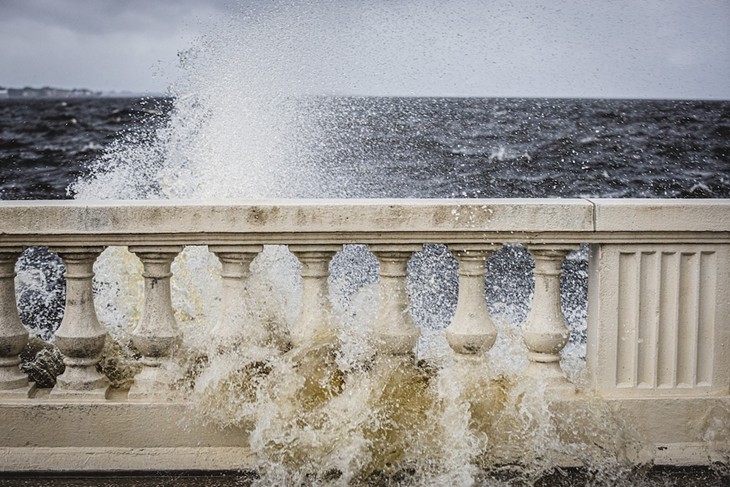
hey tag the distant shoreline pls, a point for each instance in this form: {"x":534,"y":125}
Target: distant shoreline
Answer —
{"x":48,"y":92}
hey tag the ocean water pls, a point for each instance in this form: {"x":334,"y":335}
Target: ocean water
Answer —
{"x":417,"y":147}
{"x":46,"y":144}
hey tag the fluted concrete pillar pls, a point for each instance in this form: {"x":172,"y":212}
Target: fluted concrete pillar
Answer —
{"x":394,"y":328}
{"x":315,"y":311}
{"x":80,"y":338}
{"x":13,"y":336}
{"x":233,"y":326}
{"x":472,"y":330}
{"x":545,"y":331}
{"x":157,"y":334}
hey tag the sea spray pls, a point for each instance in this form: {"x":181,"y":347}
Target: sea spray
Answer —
{"x":242,"y":124}
{"x":40,"y":291}
{"x":329,"y":411}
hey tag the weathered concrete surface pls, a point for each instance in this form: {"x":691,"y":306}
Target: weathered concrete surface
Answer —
{"x":167,"y":437}
{"x":659,"y":319}
{"x":48,"y":435}
{"x":115,"y":425}
{"x":683,"y":430}
{"x":665,"y":215}
{"x":288,"y":221}
{"x":143,"y":222}
{"x":145,"y":217}
{"x":119,"y":459}
{"x":659,"y":303}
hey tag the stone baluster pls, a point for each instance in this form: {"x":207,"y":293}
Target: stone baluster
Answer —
{"x":545,"y":330}
{"x":157,"y":334}
{"x":13,"y":336}
{"x":472,"y":330}
{"x":81,"y":337}
{"x":233,"y":326}
{"x":315,"y":312}
{"x":394,"y":328}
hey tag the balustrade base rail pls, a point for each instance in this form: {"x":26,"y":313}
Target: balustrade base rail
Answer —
{"x":126,"y":459}
{"x":63,"y":436}
{"x":115,"y":436}
{"x":658,"y":345}
{"x":683,"y":431}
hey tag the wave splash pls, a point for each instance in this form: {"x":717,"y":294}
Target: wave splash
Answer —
{"x":330,"y":411}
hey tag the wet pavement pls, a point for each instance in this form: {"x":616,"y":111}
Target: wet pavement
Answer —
{"x":656,"y":477}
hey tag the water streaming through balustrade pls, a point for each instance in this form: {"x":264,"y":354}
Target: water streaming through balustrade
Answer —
{"x":244,"y":124}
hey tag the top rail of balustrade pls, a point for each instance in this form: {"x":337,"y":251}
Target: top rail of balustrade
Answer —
{"x":74,"y":223}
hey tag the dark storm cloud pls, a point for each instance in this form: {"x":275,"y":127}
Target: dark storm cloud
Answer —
{"x":109,"y":16}
{"x":612,"y":48}
{"x":100,"y":44}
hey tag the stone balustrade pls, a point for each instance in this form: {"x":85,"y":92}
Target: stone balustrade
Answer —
{"x":658,"y":311}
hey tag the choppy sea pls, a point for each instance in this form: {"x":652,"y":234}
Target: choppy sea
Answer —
{"x":432,"y":147}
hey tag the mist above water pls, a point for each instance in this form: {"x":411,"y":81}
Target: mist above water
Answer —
{"x":253,"y":114}
{"x":246,"y":120}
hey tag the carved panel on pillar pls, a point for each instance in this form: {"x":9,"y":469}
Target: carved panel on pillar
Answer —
{"x":13,"y":336}
{"x":157,"y":334}
{"x":81,"y":337}
{"x":658,"y":316}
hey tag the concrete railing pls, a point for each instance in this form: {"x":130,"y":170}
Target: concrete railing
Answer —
{"x":658,"y":313}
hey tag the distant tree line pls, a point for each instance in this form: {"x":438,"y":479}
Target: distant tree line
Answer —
{"x":46,"y":92}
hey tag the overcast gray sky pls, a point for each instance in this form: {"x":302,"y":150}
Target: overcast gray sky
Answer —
{"x":566,"y":48}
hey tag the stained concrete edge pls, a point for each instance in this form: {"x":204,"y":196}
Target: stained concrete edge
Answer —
{"x":664,"y":215}
{"x":295,"y":216}
{"x":80,"y":459}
